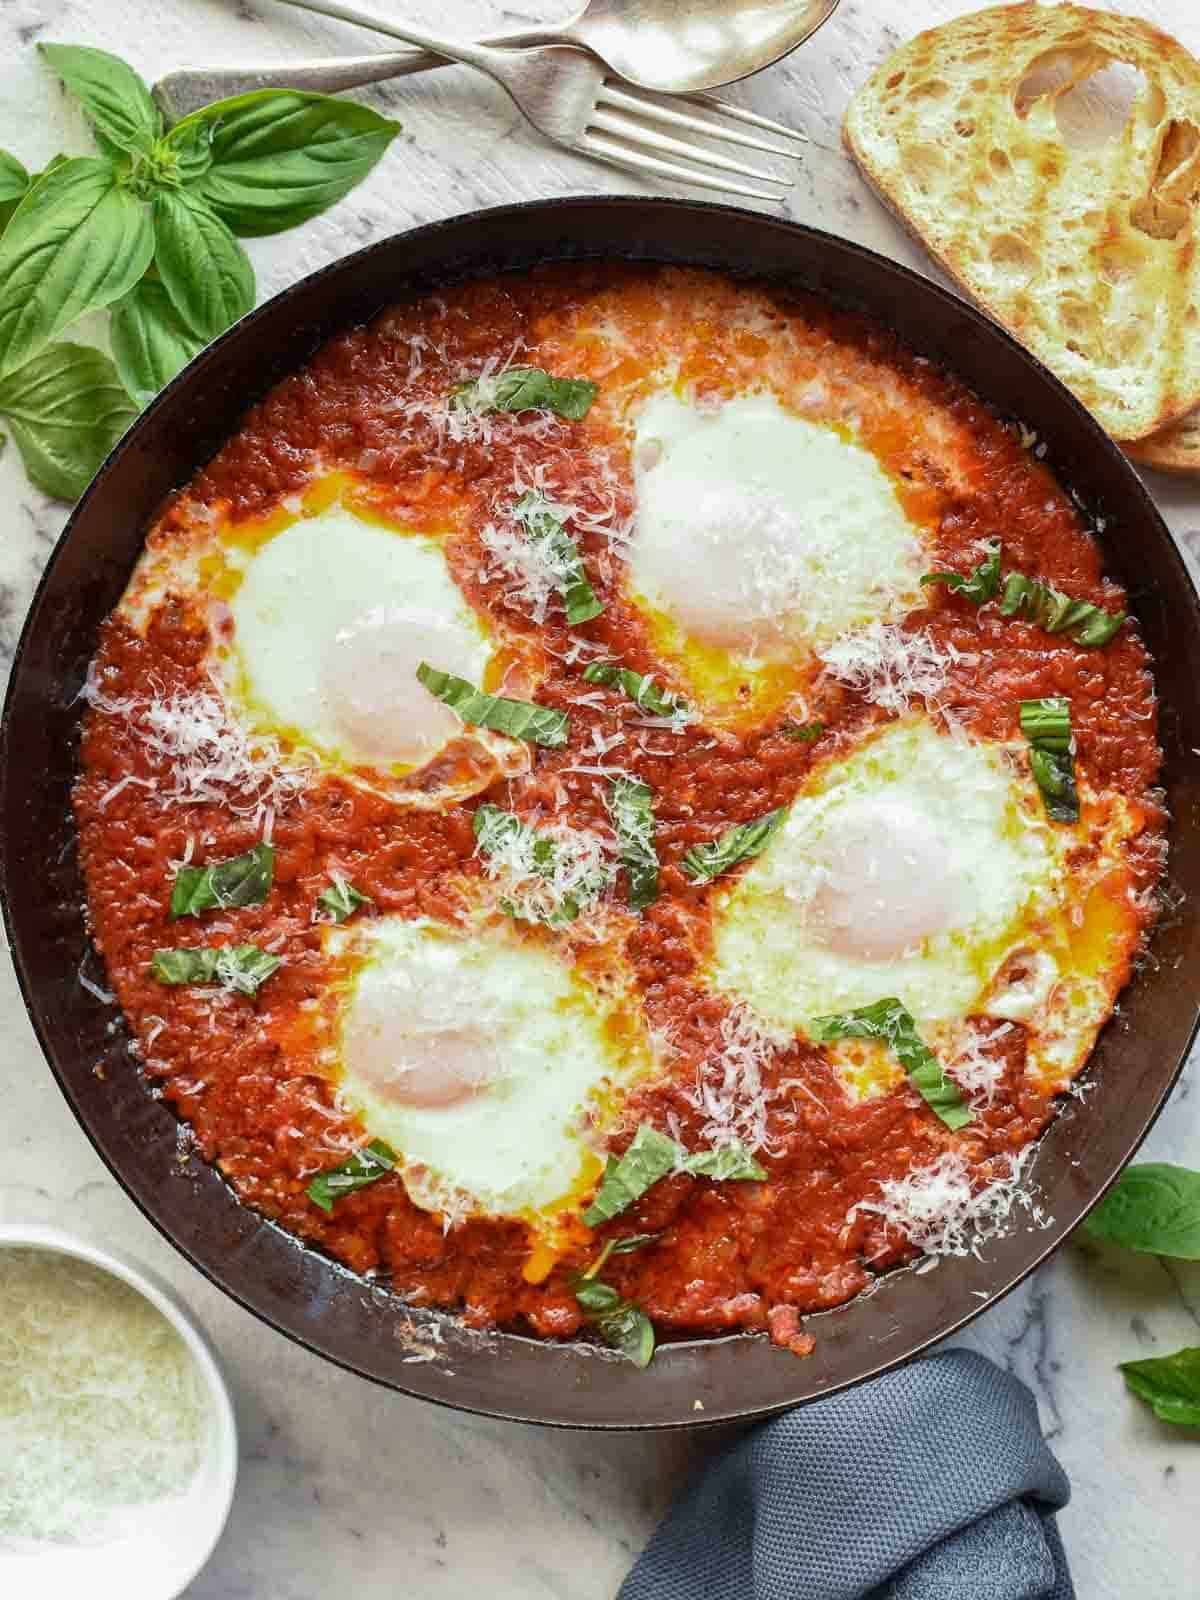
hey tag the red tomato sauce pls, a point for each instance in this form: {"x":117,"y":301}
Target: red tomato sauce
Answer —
{"x":242,"y":1072}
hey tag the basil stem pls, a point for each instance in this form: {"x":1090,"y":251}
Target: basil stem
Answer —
{"x":631,"y":807}
{"x":1170,"y":1385}
{"x":651,"y":1156}
{"x":890,"y":1023}
{"x":1153,"y":1207}
{"x":240,"y":881}
{"x":517,"y":718}
{"x":340,"y":900}
{"x":704,"y":862}
{"x":547,"y":532}
{"x":365,"y":1166}
{"x":980,"y":586}
{"x":527,"y":389}
{"x":640,"y":689}
{"x":242,"y":967}
{"x":1047,"y":726}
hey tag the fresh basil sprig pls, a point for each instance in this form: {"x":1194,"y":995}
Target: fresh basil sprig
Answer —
{"x":241,"y":967}
{"x":340,"y":900}
{"x":1153,"y":1207}
{"x":1047,"y":726}
{"x":545,"y":530}
{"x":368,"y":1165}
{"x":1170,"y":1385}
{"x":66,"y":409}
{"x":651,"y":1156}
{"x":704,"y":862}
{"x":243,"y":880}
{"x":980,"y":586}
{"x":642,"y":690}
{"x":631,"y":807}
{"x":526,"y":389}
{"x":520,"y":719}
{"x":890,"y":1023}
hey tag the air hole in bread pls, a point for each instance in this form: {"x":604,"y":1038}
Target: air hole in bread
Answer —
{"x":1175,"y":183}
{"x":1012,"y":260}
{"x":931,"y":89}
{"x":1076,"y":317}
{"x":1094,"y":112}
{"x":1053,"y":71}
{"x":998,"y":161}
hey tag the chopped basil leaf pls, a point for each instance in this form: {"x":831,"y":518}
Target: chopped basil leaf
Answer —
{"x":527,"y":389}
{"x":498,"y":830}
{"x":618,"y":1321}
{"x":240,"y":881}
{"x":803,"y":732}
{"x":243,"y":967}
{"x":1040,"y":602}
{"x":518,"y":718}
{"x":547,"y":533}
{"x":651,"y":1156}
{"x":631,"y":806}
{"x":640,"y":689}
{"x":1170,"y":1385}
{"x":731,"y":1162}
{"x":889,"y":1022}
{"x":630,"y":1243}
{"x":1047,"y":726}
{"x":1154,"y":1207}
{"x":365,"y":1166}
{"x":704,"y":862}
{"x":340,"y":900}
{"x":980,"y":586}
{"x":593,"y":1296}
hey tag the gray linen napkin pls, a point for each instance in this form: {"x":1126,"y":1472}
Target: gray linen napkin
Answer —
{"x":930,"y":1483}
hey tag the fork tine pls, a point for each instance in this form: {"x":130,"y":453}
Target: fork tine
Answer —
{"x":653,"y":106}
{"x":623,"y":127}
{"x":742,"y":114}
{"x":621,"y":155}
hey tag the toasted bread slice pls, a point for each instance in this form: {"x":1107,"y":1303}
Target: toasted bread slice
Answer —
{"x":1049,"y":157}
{"x":1175,"y":448}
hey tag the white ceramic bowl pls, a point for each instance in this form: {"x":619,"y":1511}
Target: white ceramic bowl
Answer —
{"x":173,"y":1540}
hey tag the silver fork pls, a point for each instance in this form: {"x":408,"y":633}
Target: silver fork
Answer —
{"x":568,"y":97}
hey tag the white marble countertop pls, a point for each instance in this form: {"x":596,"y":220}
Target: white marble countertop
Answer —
{"x":345,"y":1487}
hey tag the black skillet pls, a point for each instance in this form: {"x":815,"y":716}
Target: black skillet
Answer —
{"x":296,"y":1289}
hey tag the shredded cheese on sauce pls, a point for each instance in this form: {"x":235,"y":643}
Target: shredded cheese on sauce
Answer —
{"x":579,"y":869}
{"x":102,"y":1410}
{"x":938,"y":1210}
{"x":889,"y":666}
{"x":730,"y":1091}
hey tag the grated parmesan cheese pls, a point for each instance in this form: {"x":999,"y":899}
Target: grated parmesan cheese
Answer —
{"x":102,"y":1410}
{"x":889,"y":666}
{"x":938,"y":1210}
{"x":547,"y":886}
{"x":730,"y":1091}
{"x":973,"y":1069}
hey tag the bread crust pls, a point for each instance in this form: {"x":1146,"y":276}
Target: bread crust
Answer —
{"x":1175,"y":448}
{"x":978,"y":136}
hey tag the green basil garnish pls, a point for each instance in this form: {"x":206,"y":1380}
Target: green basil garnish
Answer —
{"x":621,"y":1324}
{"x":365,"y":1166}
{"x":704,"y":862}
{"x":115,"y":100}
{"x":545,"y":530}
{"x":150,"y":342}
{"x":1047,"y":726}
{"x":527,"y":389}
{"x":340,"y":900}
{"x":203,"y":268}
{"x":651,"y":1156}
{"x":1153,"y":1207}
{"x":640,"y":689}
{"x":14,"y":184}
{"x":1170,"y":1385}
{"x":518,"y":718}
{"x":242,"y":967}
{"x":1040,"y":602}
{"x":497,"y":830}
{"x":802,"y":732}
{"x":982,"y":584}
{"x":66,"y":409}
{"x":241,"y":881}
{"x":889,"y":1022}
{"x":631,"y":807}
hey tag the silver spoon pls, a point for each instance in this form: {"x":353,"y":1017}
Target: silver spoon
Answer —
{"x":670,"y":46}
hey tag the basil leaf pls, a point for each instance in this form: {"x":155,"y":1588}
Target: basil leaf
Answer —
{"x":240,"y":881}
{"x":626,"y":1179}
{"x":982,"y":584}
{"x":242,"y":967}
{"x":527,"y":389}
{"x":630,"y":1243}
{"x":704,"y":862}
{"x":185,"y":155}
{"x":804,"y":732}
{"x":14,"y":181}
{"x":1040,"y":602}
{"x":149,"y":342}
{"x":497,"y":831}
{"x":280,"y":157}
{"x":1170,"y":1385}
{"x":889,"y":1022}
{"x":66,"y":410}
{"x":518,"y":718}
{"x":1047,"y":726}
{"x":340,"y":900}
{"x":1154,"y":1207}
{"x":546,"y":531}
{"x":641,"y":690}
{"x":628,"y":1329}
{"x":365,"y":1166}
{"x":115,"y":100}
{"x":631,"y":807}
{"x":731,"y":1163}
{"x":204,"y":269}
{"x":77,"y":241}
{"x":593,"y":1296}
